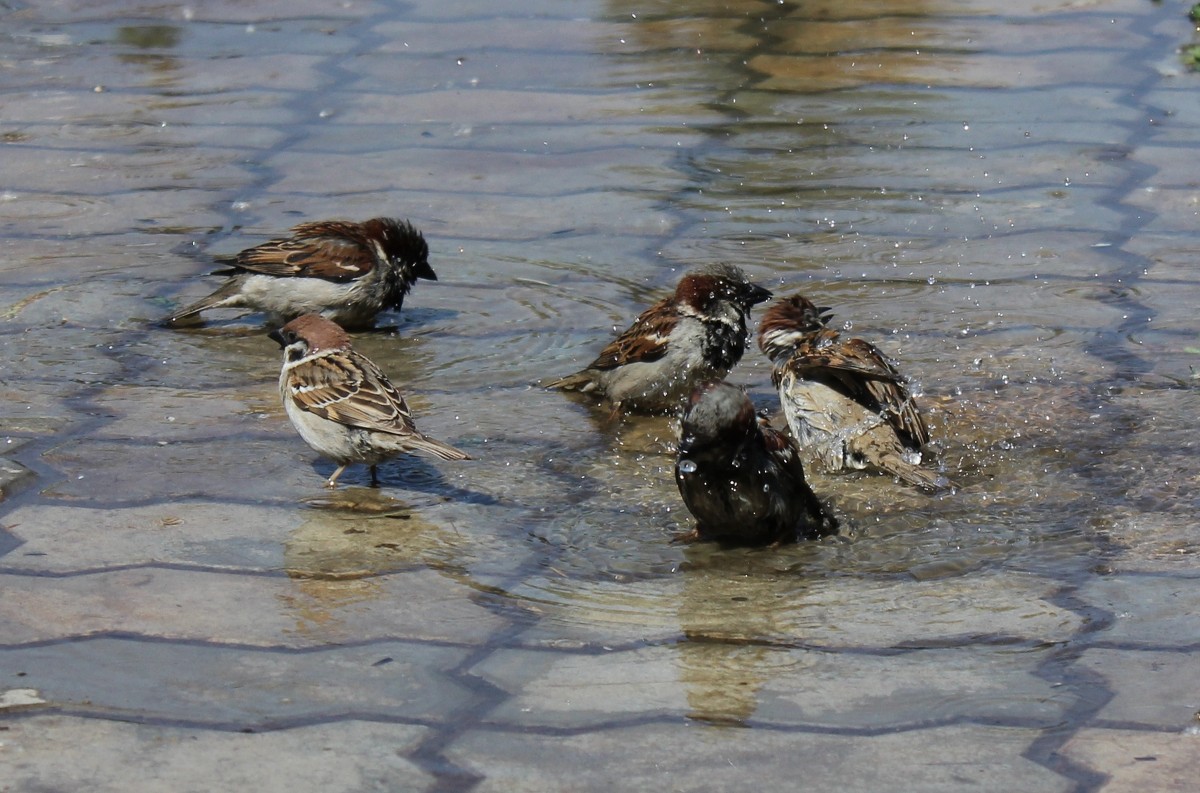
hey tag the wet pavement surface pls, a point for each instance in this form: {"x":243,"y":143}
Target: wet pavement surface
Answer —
{"x":1003,"y":197}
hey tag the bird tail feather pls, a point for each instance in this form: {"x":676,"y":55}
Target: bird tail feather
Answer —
{"x":437,"y":448}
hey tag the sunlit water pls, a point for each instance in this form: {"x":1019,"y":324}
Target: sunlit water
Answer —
{"x":959,"y":194}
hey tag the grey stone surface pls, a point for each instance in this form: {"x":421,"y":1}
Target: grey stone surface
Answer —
{"x":678,"y":756}
{"x":1132,"y":761}
{"x":1148,"y":610}
{"x":55,"y":752}
{"x":239,"y":686}
{"x":1152,"y":689}
{"x":1000,"y":195}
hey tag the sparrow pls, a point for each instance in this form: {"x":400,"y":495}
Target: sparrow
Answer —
{"x":342,"y":405}
{"x":741,"y":479}
{"x":843,"y":400}
{"x":692,"y":337}
{"x":346,"y":271}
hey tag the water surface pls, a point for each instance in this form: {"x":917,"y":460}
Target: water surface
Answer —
{"x":997,"y":197}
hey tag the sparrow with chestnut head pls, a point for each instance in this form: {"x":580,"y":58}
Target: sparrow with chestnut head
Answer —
{"x":692,"y":337}
{"x":347,"y":272}
{"x":844,"y":401}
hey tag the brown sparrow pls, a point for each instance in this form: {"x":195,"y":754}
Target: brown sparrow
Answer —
{"x":341,"y":404}
{"x":345,"y":271}
{"x":742,"y":480}
{"x":695,"y":336}
{"x":843,"y":400}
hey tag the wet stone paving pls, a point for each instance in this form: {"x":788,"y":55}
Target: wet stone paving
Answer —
{"x":1003,"y":196}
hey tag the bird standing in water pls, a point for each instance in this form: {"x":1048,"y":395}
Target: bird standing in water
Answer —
{"x":342,"y":405}
{"x":742,"y":480}
{"x":843,"y":400}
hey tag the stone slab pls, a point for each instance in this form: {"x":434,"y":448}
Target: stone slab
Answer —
{"x":237,"y":688}
{"x":255,"y":610}
{"x":761,"y":685}
{"x":689,"y":756}
{"x":59,"y":752}
{"x":1148,"y":687}
{"x":1133,"y":762}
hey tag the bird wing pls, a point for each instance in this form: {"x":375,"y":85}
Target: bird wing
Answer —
{"x":644,"y":341}
{"x":332,"y":250}
{"x":351,"y":390}
{"x":866,"y":376}
{"x":782,"y":447}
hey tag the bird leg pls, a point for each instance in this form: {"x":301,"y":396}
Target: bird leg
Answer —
{"x":687,"y":537}
{"x":332,"y":483}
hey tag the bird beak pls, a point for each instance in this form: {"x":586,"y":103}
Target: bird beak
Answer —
{"x":423,"y":270}
{"x":825,"y":313}
{"x":277,"y":336}
{"x":757,"y":294}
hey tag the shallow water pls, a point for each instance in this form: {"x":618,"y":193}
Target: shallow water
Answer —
{"x":998,"y":198}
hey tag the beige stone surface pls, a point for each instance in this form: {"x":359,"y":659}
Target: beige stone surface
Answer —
{"x":834,"y":614}
{"x":13,"y":477}
{"x":256,"y":610}
{"x":763,"y":685}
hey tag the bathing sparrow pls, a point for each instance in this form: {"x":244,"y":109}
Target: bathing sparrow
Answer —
{"x":844,"y":401}
{"x":341,"y":403}
{"x":742,"y":480}
{"x":345,"y":271}
{"x":694,"y":336}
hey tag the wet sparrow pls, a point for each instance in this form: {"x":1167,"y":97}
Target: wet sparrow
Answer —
{"x":843,"y":400}
{"x":341,"y":404}
{"x":741,"y":479}
{"x":346,"y":271}
{"x":694,"y":336}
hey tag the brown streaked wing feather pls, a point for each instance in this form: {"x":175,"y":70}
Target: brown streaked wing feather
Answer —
{"x":362,"y":397}
{"x":854,"y":361}
{"x":900,"y":409}
{"x":909,"y":420}
{"x":335,"y":251}
{"x":851,"y":355}
{"x":644,"y":341}
{"x":889,"y":390}
{"x":783,"y":447}
{"x":867,"y":377}
{"x":773,"y":439}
